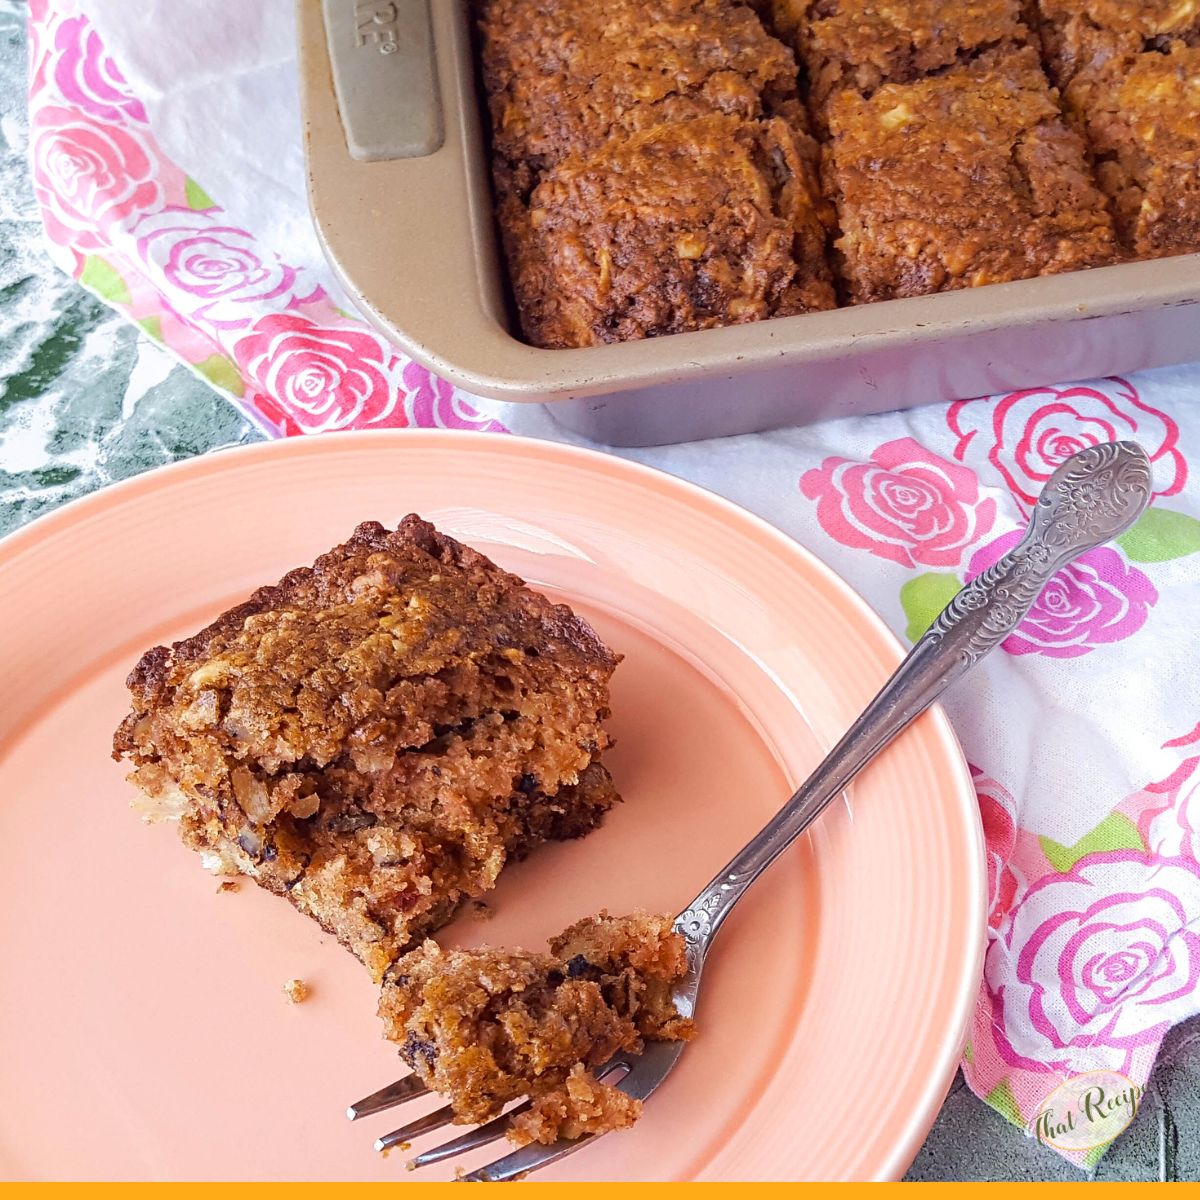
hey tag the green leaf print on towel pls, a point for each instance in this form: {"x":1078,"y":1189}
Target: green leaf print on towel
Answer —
{"x":221,"y":372}
{"x":102,"y":279}
{"x":1004,"y":1102}
{"x":923,"y":598}
{"x":1115,"y":832}
{"x":1160,"y":536}
{"x":197,"y":197}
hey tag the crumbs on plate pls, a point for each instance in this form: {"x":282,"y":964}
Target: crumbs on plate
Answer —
{"x":296,"y":991}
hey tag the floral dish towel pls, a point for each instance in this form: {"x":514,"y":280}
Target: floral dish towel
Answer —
{"x":166,"y":154}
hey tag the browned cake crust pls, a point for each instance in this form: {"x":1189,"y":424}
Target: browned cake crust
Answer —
{"x":485,"y":1027}
{"x":1130,"y":73}
{"x":653,"y":168}
{"x":563,"y":78}
{"x":1142,"y":116}
{"x":965,"y":178}
{"x":375,"y":736}
{"x":862,"y":44}
{"x":1087,"y":35}
{"x":687,"y":226}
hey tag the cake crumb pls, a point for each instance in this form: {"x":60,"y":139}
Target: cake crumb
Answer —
{"x":482,"y":911}
{"x":227,"y":885}
{"x":296,"y":990}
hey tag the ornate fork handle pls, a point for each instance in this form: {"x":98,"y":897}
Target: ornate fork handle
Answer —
{"x":1093,"y":497}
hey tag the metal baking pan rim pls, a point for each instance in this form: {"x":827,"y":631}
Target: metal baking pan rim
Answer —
{"x":503,"y":367}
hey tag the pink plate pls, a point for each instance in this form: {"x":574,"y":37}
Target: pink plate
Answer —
{"x":145,"y":1033}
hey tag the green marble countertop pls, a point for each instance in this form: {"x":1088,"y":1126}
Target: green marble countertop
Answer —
{"x":86,"y":399}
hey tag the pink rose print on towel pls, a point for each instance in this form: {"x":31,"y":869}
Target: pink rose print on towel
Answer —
{"x":905,"y":504}
{"x":1098,"y":962}
{"x":1191,"y":738}
{"x":1026,"y":435}
{"x":321,"y":377}
{"x":216,"y":272}
{"x":87,"y":76}
{"x":88,"y":175}
{"x":998,"y":811}
{"x":432,"y":402}
{"x":1176,"y":830}
{"x":1096,"y":600}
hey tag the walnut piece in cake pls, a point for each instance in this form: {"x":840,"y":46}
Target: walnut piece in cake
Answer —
{"x":485,"y":1027}
{"x":376,"y":736}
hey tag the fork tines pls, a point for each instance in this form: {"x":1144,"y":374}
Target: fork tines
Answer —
{"x":511,"y":1166}
{"x":411,"y":1088}
{"x":408,"y":1088}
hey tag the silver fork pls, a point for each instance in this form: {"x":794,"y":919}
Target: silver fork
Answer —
{"x":1093,"y":497}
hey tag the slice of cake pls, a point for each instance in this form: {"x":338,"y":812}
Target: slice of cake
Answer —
{"x":485,"y":1027}
{"x":1082,"y":36}
{"x":1130,"y":75}
{"x":1142,"y":116}
{"x":376,"y":736}
{"x":709,"y":222}
{"x":859,"y":45}
{"x":564,"y":78}
{"x":964,"y":178}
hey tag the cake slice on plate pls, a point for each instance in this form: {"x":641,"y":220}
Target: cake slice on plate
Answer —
{"x":376,"y":736}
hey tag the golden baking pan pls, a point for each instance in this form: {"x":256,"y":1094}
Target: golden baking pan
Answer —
{"x":406,"y":221}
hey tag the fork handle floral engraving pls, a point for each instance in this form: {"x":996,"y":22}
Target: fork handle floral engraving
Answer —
{"x":1085,"y":504}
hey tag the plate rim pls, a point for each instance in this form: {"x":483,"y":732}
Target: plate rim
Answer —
{"x":938,"y":1078}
